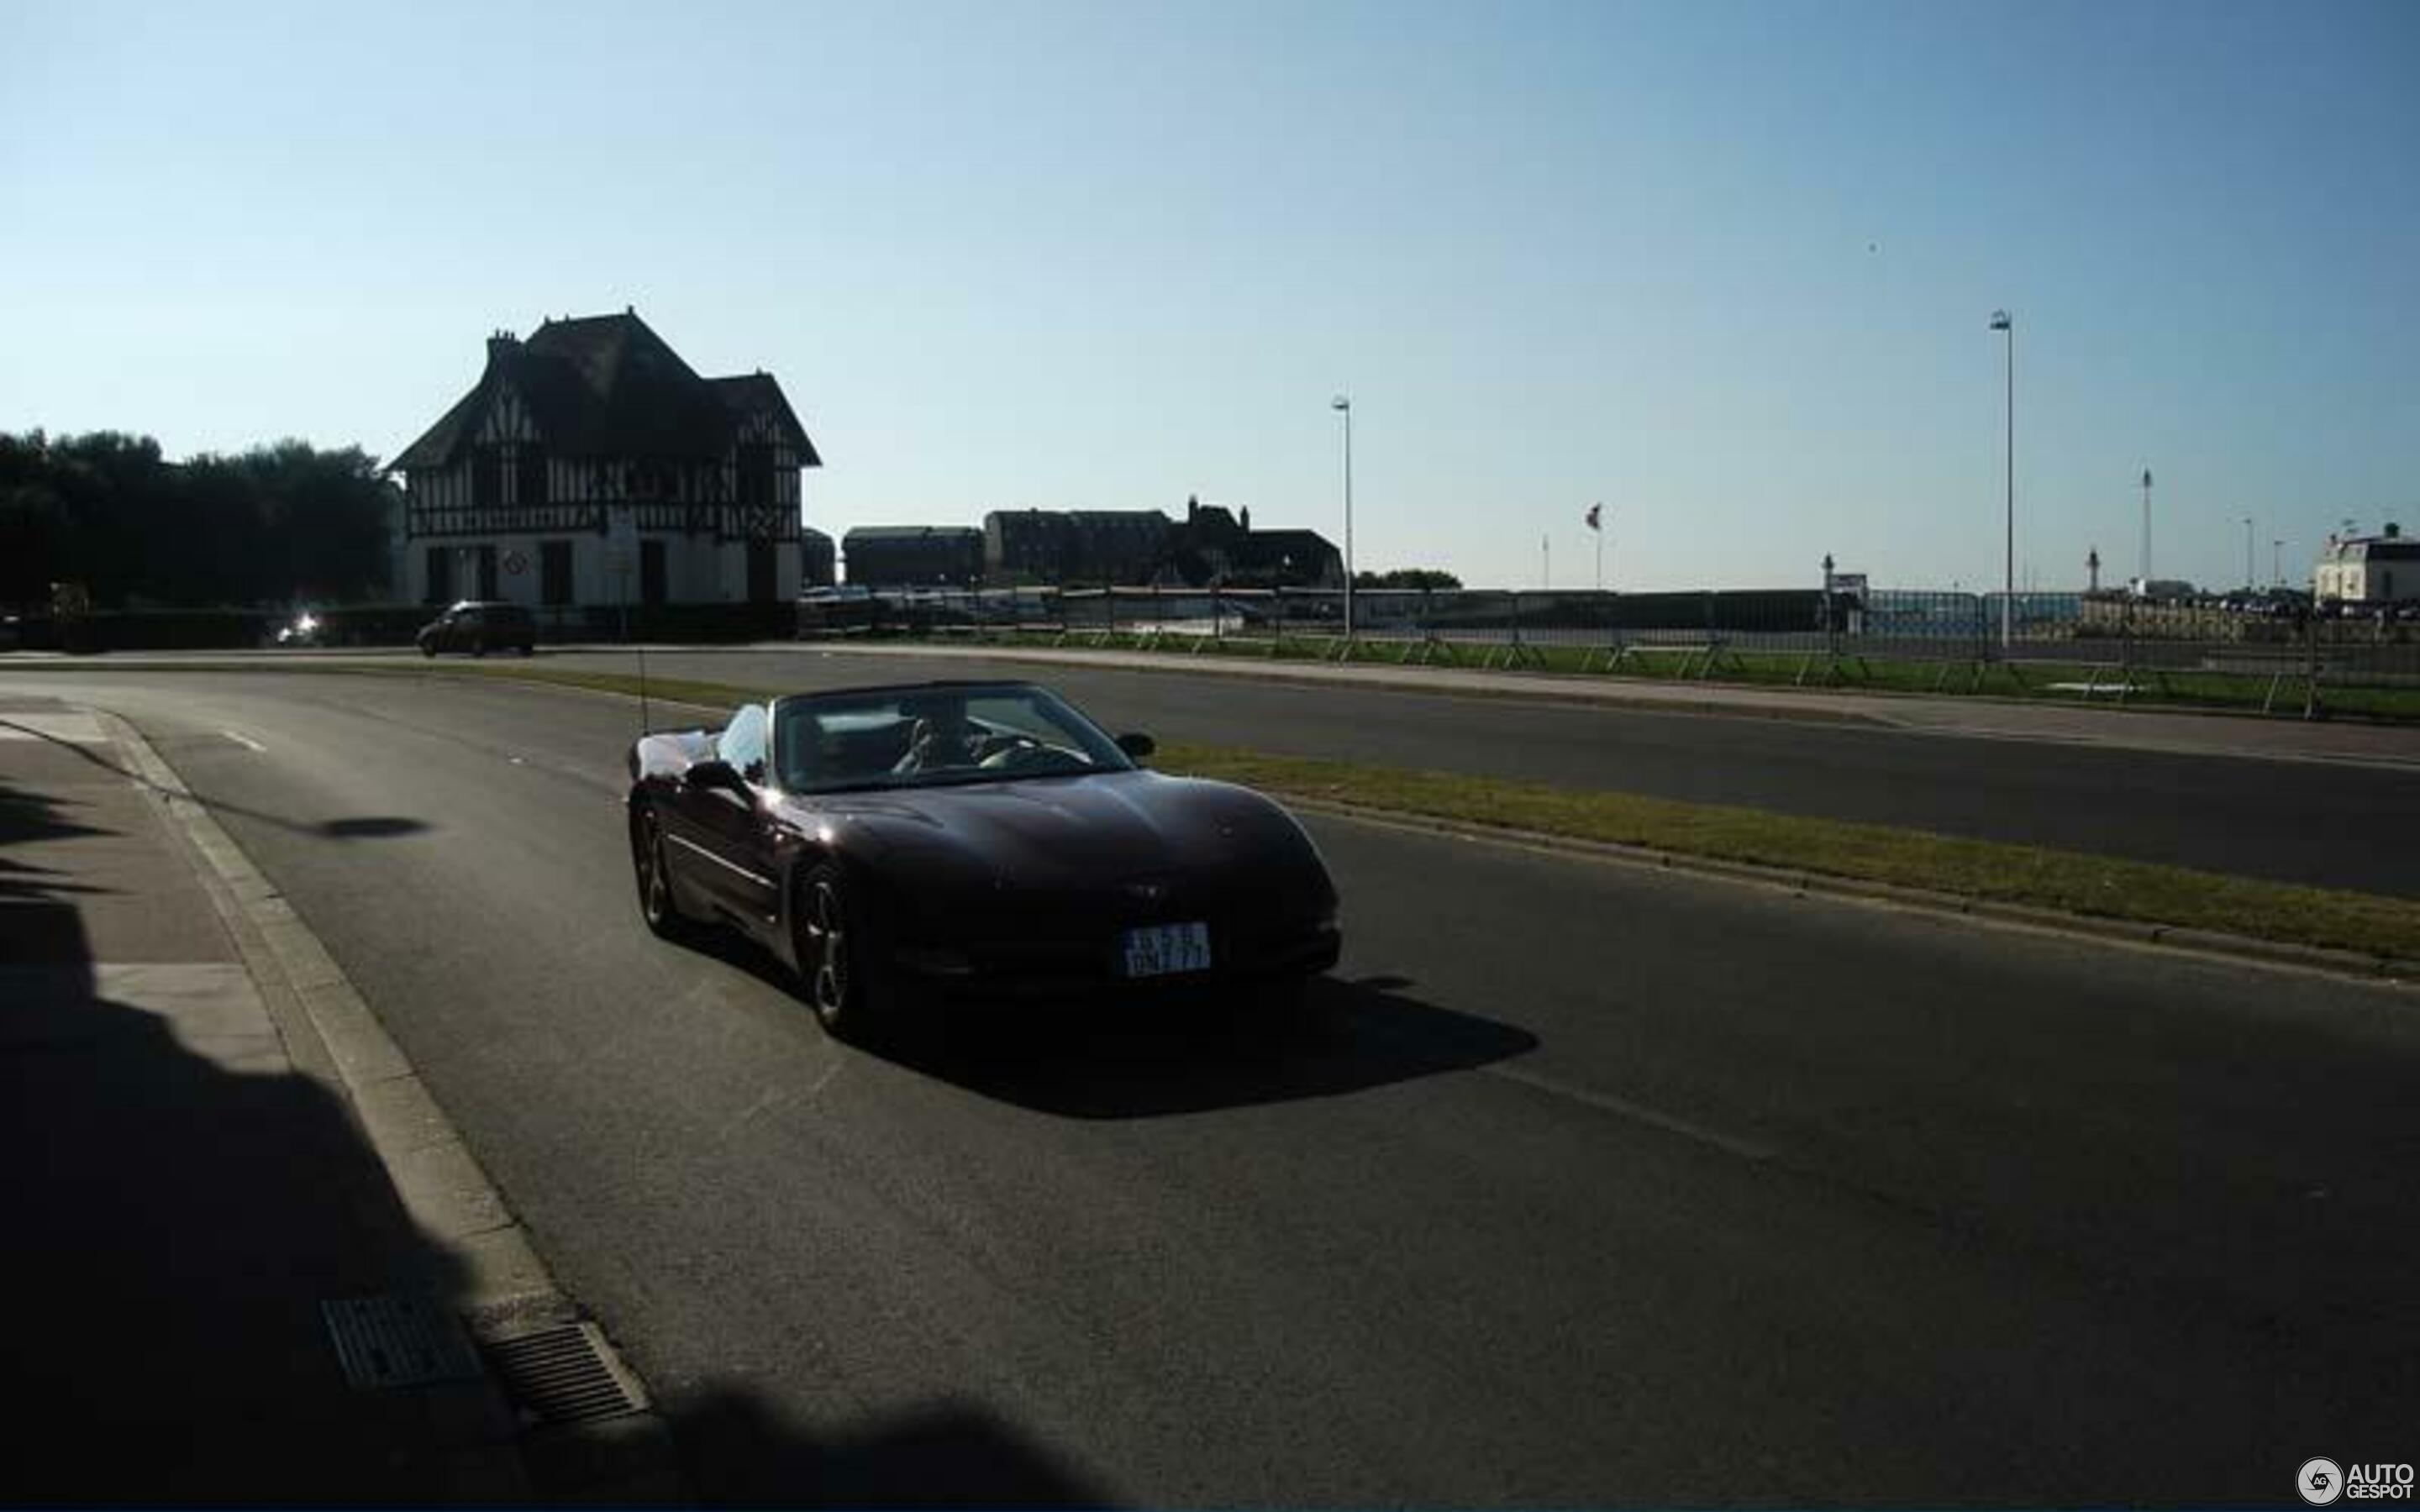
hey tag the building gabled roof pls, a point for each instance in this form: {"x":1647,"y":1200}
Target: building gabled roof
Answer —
{"x":914,"y":533}
{"x":607,"y":386}
{"x":1270,"y":548}
{"x":749,"y":393}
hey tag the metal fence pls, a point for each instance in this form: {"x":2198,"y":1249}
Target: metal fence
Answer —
{"x":2108,"y":641}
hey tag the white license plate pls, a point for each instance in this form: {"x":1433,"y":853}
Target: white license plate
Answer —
{"x":1164,"y":950}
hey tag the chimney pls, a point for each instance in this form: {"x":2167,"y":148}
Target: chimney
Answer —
{"x":1192,"y":507}
{"x":2393,"y":530}
{"x":1245,"y":519}
{"x":498,"y":343}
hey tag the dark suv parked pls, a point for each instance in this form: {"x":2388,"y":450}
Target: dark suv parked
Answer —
{"x":479,"y":627}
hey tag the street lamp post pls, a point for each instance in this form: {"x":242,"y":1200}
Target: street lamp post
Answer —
{"x":2003,"y":323}
{"x":1343,"y":406}
{"x":2250,"y":579}
{"x":2278,"y":564}
{"x":2147,"y":530}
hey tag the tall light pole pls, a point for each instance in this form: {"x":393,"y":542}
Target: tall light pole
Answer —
{"x":2278,"y":564}
{"x":1344,"y":406}
{"x":2251,"y":579}
{"x":2006,"y":327}
{"x":2147,"y":530}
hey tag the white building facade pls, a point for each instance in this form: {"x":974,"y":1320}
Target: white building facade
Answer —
{"x":2370,"y":569}
{"x":591,"y":467}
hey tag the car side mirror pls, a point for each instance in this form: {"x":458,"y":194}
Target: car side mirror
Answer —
{"x":716,"y":774}
{"x":1137,"y":745}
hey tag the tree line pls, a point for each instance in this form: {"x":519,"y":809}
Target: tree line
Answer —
{"x":1431,"y":577}
{"x":105,"y":511}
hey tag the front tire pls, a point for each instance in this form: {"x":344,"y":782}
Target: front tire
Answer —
{"x":657,"y":904}
{"x":827,"y":939}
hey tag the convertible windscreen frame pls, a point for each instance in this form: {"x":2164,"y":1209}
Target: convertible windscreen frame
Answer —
{"x":862,"y":738}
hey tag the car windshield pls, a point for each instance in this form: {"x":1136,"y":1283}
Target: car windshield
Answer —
{"x":932,"y":736}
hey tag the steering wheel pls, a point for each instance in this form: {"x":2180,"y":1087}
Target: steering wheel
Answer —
{"x":1008,"y":750}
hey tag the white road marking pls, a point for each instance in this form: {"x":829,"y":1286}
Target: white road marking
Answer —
{"x":1637,"y":1113}
{"x":245,"y":741}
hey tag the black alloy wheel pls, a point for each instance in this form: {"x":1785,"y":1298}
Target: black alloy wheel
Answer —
{"x":655,"y":904}
{"x":824,"y":926}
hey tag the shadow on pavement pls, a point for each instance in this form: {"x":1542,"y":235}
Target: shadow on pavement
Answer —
{"x":1111,"y":1062}
{"x":1176,"y":1054}
{"x":179,"y":1205}
{"x":369,"y":826}
{"x":29,"y":818}
{"x":734,"y":1451}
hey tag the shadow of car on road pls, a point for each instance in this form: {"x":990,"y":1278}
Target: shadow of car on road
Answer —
{"x":1175,"y":1054}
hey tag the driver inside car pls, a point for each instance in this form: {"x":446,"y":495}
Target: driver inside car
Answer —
{"x":943,"y":737}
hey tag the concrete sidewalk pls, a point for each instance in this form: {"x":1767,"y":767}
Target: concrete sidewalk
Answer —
{"x":190,"y":1184}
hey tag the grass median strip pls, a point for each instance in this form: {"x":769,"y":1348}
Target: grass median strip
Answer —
{"x":2092,"y":886}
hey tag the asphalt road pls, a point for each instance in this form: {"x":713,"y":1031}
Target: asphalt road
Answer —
{"x":2290,"y":821}
{"x":1612,"y":1186}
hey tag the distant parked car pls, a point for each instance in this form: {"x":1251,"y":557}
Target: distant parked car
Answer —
{"x":304,"y":630}
{"x":479,"y":626}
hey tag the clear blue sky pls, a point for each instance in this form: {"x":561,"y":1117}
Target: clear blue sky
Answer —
{"x":1726,"y":268}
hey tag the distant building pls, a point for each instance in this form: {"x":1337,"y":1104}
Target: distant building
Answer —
{"x":2370,"y":569}
{"x":591,"y":465}
{"x":818,"y":558}
{"x":913,"y":556}
{"x":1081,"y":548}
{"x":1215,"y":544}
{"x":1090,"y":547}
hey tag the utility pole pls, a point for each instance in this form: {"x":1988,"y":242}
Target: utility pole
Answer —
{"x":1343,"y":405}
{"x":2146,"y":529}
{"x":2007,"y":326}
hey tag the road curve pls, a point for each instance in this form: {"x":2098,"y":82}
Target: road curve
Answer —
{"x":1612,"y":1186}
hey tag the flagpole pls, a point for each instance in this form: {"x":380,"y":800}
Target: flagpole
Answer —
{"x":1599,"y":528}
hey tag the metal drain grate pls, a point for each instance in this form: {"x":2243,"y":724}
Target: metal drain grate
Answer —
{"x":563,"y":1375}
{"x":398,"y":1340}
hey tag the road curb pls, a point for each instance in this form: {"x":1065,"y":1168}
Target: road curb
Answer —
{"x":439,"y":1182}
{"x":2353,"y":963}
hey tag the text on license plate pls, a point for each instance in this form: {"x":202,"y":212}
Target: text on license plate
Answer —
{"x":1163,"y":950}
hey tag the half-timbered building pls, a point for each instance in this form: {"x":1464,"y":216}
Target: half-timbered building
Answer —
{"x":591,"y":465}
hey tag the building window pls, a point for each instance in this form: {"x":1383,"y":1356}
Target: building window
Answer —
{"x":755,"y":473}
{"x":554,"y":572}
{"x":486,"y":476}
{"x":529,"y":475}
{"x":654,"y":584}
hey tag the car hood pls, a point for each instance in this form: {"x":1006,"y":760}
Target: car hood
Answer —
{"x":1066,"y":832}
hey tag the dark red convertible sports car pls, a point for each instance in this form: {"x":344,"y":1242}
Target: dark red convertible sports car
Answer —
{"x":956,"y":841}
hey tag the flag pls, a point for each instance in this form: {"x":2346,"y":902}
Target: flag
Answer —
{"x":1594,"y":516}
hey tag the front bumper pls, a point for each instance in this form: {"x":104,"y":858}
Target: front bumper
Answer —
{"x":1089,"y":970}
